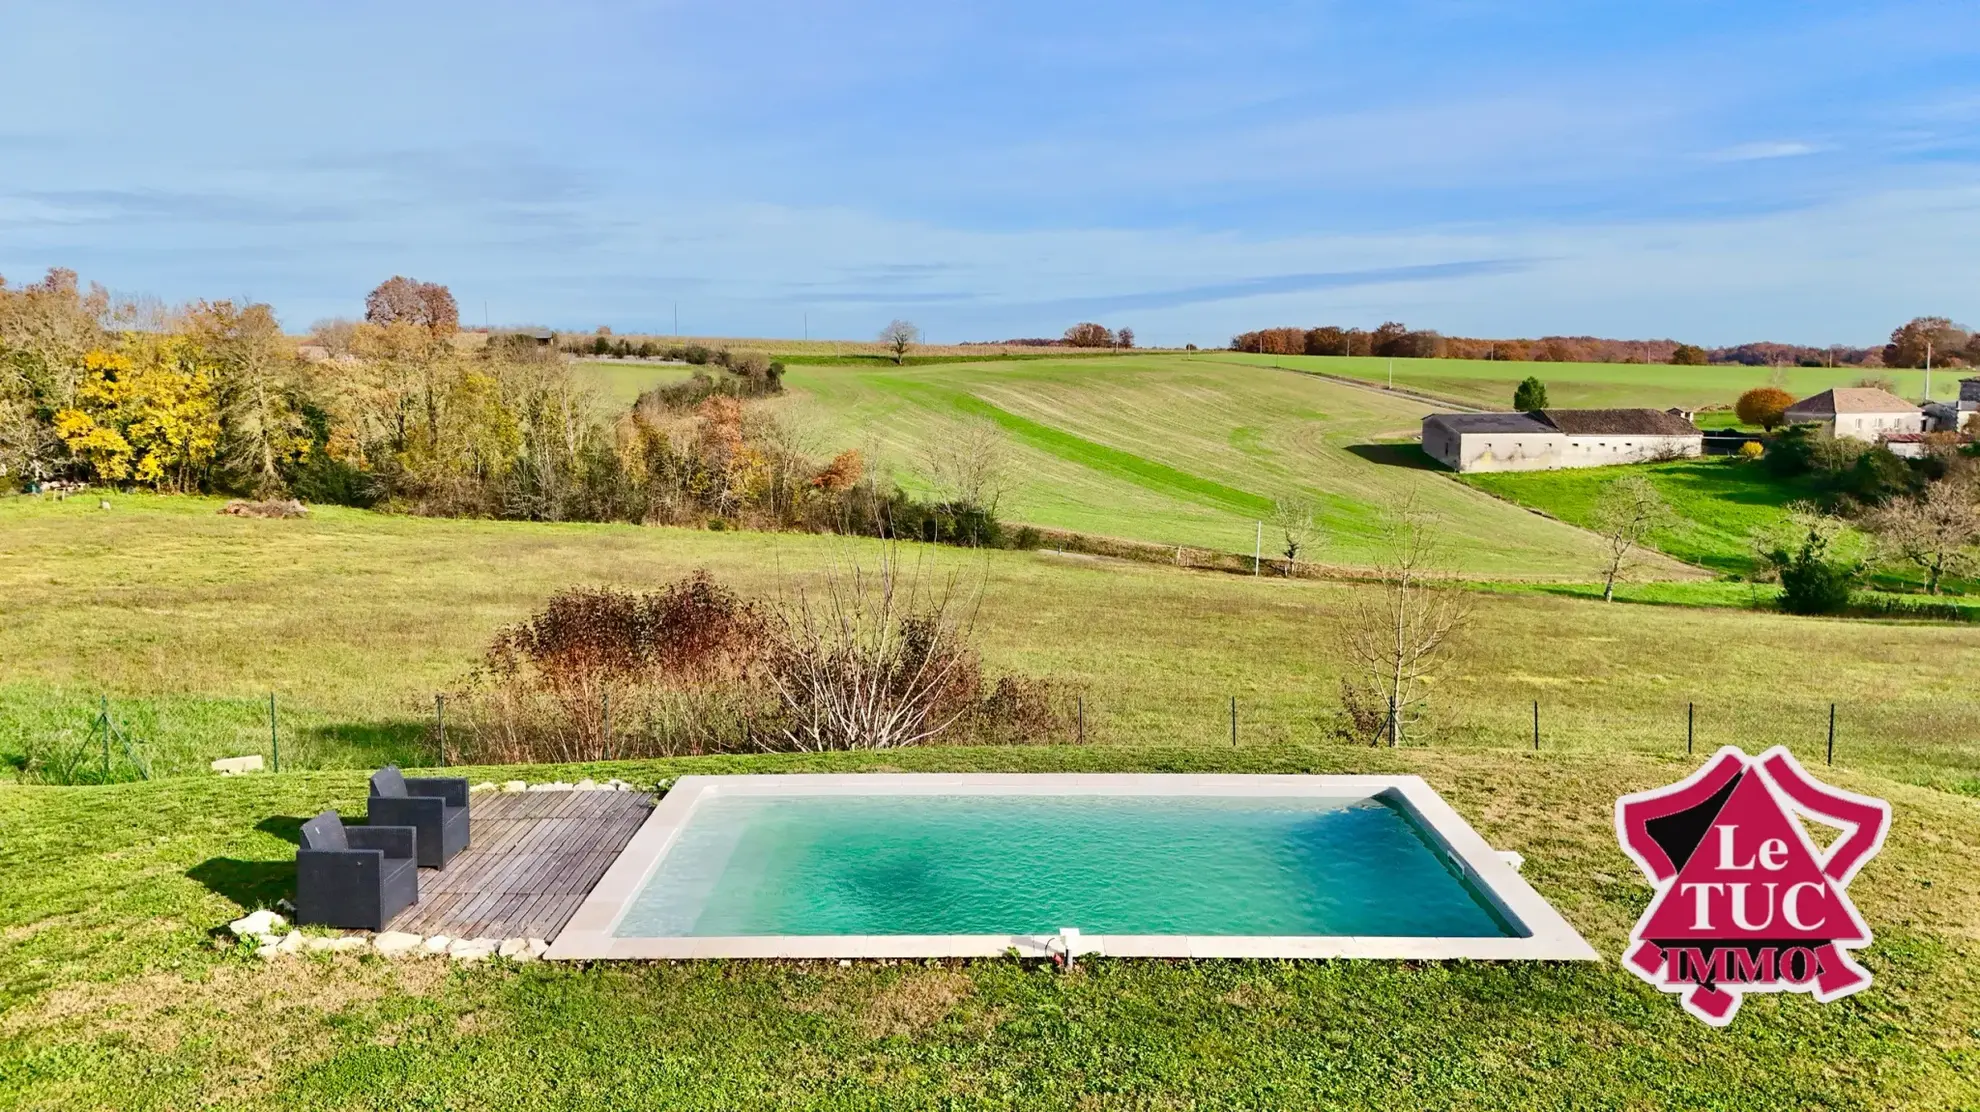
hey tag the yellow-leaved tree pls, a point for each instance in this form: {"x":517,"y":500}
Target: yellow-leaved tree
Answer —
{"x":145,"y":413}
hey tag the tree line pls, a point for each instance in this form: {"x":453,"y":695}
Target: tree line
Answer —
{"x":1912,"y":344}
{"x":397,"y":412}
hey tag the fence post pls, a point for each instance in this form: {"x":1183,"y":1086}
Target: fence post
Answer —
{"x":440,"y":726}
{"x":1536,"y":725}
{"x":1079,"y":713}
{"x":1391,"y":723}
{"x":605,"y":698}
{"x":103,"y":720}
{"x":274,"y":737}
{"x":1832,"y":734}
{"x":1690,"y":725}
{"x":1234,"y":722}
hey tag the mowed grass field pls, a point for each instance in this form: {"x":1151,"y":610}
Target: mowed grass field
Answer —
{"x":115,"y":994}
{"x":1170,"y":450}
{"x":1174,"y":450}
{"x":1490,"y":383}
{"x":187,"y":619}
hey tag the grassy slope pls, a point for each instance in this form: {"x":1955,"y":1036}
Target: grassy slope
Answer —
{"x":1595,"y":385}
{"x":188,"y":618}
{"x":113,"y":995}
{"x":1719,"y":503}
{"x":1170,"y":450}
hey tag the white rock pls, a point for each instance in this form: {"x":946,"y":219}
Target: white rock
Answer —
{"x":537,"y":948}
{"x":257,"y":922}
{"x":284,"y":905}
{"x":436,"y":945}
{"x":234,"y":766}
{"x":514,"y":949}
{"x":845,"y":963}
{"x":320,"y":945}
{"x":269,"y":952}
{"x":395,"y":944}
{"x":553,"y":786}
{"x":291,"y":942}
{"x":472,"y":949}
{"x":515,"y":786}
{"x":1512,"y":857}
{"x":585,"y":785}
{"x":350,"y":944}
{"x":484,"y":786}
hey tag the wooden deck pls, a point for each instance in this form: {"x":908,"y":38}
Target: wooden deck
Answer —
{"x":534,"y":857}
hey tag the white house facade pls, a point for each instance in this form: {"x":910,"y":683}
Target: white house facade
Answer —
{"x":1858,"y":413}
{"x":1550,"y":439}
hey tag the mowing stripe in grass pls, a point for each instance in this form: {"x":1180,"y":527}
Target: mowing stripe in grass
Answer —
{"x":1145,"y":473}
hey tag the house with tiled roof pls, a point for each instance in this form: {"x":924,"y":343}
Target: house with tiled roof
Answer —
{"x":1549,"y":439}
{"x":1858,"y":413}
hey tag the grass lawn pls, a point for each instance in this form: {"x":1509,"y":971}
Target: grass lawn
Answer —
{"x":1719,"y":503}
{"x":1490,"y":383}
{"x":187,"y":619}
{"x":621,"y":382}
{"x":115,"y":994}
{"x":1174,"y":450}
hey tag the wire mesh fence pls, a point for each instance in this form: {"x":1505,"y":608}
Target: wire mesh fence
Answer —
{"x":1921,"y":740}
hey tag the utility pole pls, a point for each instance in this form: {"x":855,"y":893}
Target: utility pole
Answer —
{"x":1392,"y":374}
{"x":1928,"y":370}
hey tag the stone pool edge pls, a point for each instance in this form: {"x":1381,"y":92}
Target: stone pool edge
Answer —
{"x":588,"y":936}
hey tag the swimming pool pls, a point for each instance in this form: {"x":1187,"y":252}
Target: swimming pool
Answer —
{"x":927,"y":865}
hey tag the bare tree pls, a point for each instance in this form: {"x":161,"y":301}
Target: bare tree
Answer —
{"x":899,"y":336}
{"x":1397,"y":635}
{"x":1293,"y":517}
{"x":1627,"y":511}
{"x":1936,"y":531}
{"x":875,"y":658}
{"x":969,"y":461}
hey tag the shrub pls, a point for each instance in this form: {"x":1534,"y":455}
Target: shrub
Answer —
{"x":1530,"y":395}
{"x":697,"y":354}
{"x":873,"y":660}
{"x":602,"y":674}
{"x":1752,"y":449}
{"x":1765,"y":406}
{"x":1817,"y":570}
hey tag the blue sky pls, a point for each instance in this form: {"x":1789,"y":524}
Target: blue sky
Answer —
{"x":1713,"y":172}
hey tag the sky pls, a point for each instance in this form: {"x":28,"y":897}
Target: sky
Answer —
{"x":1707,"y":171}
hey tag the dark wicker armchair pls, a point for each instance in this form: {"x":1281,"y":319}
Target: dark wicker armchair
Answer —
{"x":354,"y":877}
{"x":437,"y":808}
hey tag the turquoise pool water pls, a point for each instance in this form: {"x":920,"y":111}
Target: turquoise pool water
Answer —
{"x":1029,"y":864}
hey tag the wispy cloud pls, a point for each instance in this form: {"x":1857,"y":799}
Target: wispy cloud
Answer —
{"x":1765,"y":149}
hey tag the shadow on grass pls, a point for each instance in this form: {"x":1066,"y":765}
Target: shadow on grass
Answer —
{"x":286,"y":827}
{"x":248,"y":883}
{"x":408,"y":744}
{"x":1397,"y":455}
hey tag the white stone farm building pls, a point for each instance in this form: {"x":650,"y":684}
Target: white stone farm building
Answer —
{"x":1858,"y":413}
{"x":1549,"y":439}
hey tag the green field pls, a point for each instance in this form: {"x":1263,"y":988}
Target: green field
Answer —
{"x":1490,"y":383}
{"x":114,"y":994}
{"x":1719,"y":503}
{"x":187,"y":619}
{"x":621,"y":383}
{"x":1173,"y":450}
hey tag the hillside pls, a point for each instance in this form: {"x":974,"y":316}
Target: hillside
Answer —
{"x":1176,"y":450}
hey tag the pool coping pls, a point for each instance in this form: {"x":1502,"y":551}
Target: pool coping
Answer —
{"x":1549,"y":937}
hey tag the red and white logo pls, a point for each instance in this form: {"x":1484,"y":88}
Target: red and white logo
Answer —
{"x":1746,"y":901}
